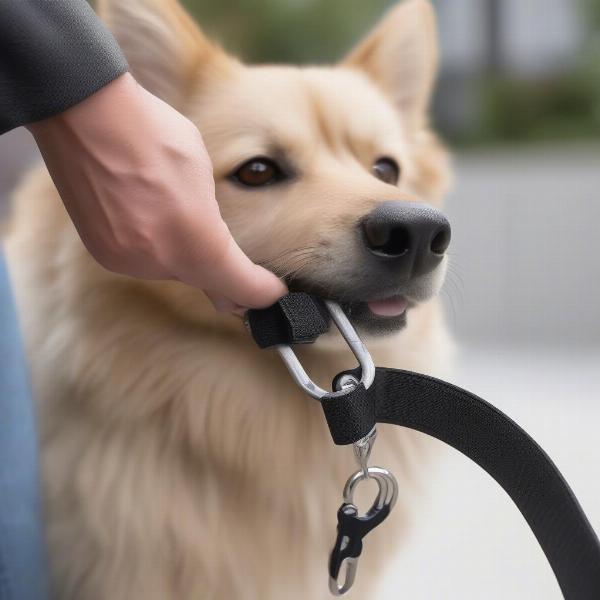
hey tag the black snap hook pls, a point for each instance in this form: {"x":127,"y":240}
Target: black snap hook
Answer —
{"x":352,"y":528}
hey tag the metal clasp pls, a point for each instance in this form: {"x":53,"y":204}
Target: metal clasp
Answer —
{"x":352,"y":528}
{"x":354,"y":342}
{"x":362,"y":451}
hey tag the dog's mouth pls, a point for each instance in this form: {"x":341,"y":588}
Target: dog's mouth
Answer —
{"x":379,"y":316}
{"x":392,"y":307}
{"x":371,"y":313}
{"x":376,"y":298}
{"x":375,"y":305}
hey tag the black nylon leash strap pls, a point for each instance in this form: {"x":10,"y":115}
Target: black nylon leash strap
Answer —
{"x":493,"y":441}
{"x":497,"y":444}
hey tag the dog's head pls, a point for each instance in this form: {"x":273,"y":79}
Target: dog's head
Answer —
{"x":325,"y":175}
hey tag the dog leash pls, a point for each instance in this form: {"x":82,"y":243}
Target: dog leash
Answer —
{"x":367,"y":395}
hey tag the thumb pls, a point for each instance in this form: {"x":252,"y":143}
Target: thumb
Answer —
{"x":216,"y":264}
{"x":245,"y":284}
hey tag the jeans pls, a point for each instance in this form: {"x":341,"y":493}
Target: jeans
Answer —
{"x":22,"y":568}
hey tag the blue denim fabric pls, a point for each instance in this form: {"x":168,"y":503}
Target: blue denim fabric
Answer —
{"x":22,"y":568}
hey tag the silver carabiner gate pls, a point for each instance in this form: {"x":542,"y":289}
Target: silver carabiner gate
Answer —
{"x":354,"y":342}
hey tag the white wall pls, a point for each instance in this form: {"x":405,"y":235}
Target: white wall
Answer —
{"x":462,"y":34}
{"x":526,"y":244}
{"x":537,"y":36}
{"x":541,"y":36}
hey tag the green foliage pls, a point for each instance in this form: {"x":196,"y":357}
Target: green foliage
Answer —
{"x":314,"y":31}
{"x":593,"y":8}
{"x":297,"y":31}
{"x":566,"y":106}
{"x":518,"y":110}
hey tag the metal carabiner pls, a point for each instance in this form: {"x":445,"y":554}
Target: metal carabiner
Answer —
{"x":352,"y":528}
{"x":354,"y":342}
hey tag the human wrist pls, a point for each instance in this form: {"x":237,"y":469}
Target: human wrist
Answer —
{"x":121,"y":91}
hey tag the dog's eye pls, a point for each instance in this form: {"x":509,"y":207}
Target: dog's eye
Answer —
{"x":258,"y":171}
{"x":387,"y":170}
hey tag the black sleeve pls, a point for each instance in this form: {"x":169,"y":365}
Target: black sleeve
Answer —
{"x":53,"y":54}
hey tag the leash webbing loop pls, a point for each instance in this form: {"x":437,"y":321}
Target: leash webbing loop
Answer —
{"x":294,"y":319}
{"x":493,"y":441}
{"x":349,"y":417}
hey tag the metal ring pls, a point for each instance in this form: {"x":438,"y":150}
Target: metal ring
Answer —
{"x":388,"y":487}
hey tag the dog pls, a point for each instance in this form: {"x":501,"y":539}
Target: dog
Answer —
{"x":179,"y":461}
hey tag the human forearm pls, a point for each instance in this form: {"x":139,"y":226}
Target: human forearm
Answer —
{"x":53,"y":54}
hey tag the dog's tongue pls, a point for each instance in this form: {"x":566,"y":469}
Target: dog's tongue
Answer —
{"x":392,"y":307}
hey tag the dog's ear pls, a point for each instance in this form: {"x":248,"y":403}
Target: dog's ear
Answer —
{"x":401,"y":55}
{"x":165,"y":49}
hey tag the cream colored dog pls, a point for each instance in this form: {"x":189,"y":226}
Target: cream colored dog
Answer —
{"x":180,"y":462}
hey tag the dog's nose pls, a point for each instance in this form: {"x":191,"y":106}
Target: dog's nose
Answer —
{"x":411,"y":234}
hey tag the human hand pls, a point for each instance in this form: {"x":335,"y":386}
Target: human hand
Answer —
{"x":136,"y":179}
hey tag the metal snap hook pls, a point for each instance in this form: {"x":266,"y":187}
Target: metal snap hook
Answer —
{"x":343,"y":561}
{"x":350,"y":562}
{"x":352,"y":527}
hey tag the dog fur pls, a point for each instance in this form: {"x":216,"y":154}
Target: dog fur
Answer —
{"x":179,"y":461}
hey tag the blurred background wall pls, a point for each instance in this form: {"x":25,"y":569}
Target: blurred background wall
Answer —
{"x":518,"y":101}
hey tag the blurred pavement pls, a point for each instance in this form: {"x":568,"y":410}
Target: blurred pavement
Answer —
{"x":525,"y":261}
